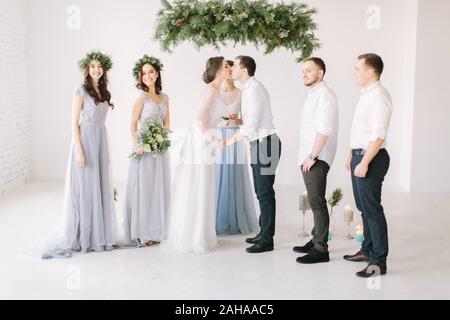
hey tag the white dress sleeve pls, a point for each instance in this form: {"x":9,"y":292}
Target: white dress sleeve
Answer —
{"x":165,"y":97}
{"x":203,"y":118}
{"x":141,"y":95}
{"x":79,"y":91}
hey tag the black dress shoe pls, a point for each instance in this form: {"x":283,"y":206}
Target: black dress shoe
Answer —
{"x":259,"y":247}
{"x":314,"y":256}
{"x":255,"y":239}
{"x":372,"y":270}
{"x":304,"y":249}
{"x":357,"y":257}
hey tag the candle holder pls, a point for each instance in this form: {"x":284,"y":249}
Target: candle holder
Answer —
{"x":348,"y":236}
{"x":333,"y":201}
{"x":331,"y":230}
{"x":348,"y":217}
{"x":303,"y":206}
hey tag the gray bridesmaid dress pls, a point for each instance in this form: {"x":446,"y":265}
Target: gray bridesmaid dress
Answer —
{"x":89,"y":212}
{"x":148,"y":187}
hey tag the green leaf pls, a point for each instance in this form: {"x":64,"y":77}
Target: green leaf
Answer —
{"x":335,"y":198}
{"x":166,"y":4}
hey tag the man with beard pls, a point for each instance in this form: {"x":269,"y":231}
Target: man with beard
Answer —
{"x":318,"y":141}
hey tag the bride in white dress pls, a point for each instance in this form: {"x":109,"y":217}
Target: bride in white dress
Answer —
{"x":193,"y":205}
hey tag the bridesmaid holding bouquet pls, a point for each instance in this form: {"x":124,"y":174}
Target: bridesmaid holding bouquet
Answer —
{"x":148,"y":186}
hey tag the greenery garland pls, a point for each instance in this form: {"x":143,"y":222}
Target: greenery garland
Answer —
{"x":146,"y":60}
{"x":259,"y":22}
{"x":104,"y":59}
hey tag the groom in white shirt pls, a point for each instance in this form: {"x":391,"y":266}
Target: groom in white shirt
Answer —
{"x":317,"y":149}
{"x":265,"y":148}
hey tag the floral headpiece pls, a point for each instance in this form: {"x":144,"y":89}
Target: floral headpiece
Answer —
{"x":96,"y":55}
{"x":146,"y":60}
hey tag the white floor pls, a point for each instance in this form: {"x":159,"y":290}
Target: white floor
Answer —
{"x":419,"y":261}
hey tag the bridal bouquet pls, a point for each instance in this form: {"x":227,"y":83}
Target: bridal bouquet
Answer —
{"x":153,"y":138}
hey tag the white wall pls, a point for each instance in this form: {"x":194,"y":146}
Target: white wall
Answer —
{"x":430,"y":152}
{"x":124,"y":30}
{"x":15,"y":111}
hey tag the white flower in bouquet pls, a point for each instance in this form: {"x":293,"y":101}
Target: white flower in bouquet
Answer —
{"x":152,"y":138}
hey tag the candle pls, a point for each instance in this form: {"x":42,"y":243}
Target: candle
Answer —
{"x":303,"y":202}
{"x":348,"y":214}
{"x":359,"y":236}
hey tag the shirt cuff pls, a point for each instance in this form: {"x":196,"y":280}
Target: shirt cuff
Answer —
{"x":249,"y":133}
{"x":324,"y":130}
{"x":379,"y":133}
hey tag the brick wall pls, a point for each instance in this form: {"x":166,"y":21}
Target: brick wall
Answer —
{"x":15,"y":111}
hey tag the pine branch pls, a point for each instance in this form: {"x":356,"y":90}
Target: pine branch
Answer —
{"x":335,"y":198}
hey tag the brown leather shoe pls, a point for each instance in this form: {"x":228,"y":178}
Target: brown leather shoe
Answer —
{"x":372,"y":270}
{"x":357,"y":257}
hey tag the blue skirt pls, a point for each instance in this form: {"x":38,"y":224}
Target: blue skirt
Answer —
{"x":236,"y":212}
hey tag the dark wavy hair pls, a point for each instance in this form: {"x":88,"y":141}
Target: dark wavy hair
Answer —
{"x":158,"y":84}
{"x":102,"y":86}
{"x":212,"y":66}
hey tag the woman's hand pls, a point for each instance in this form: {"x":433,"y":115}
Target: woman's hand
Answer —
{"x":139,"y":150}
{"x":234,"y":120}
{"x":80,"y":158}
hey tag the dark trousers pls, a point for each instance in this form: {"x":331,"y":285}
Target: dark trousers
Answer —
{"x":316,"y":185}
{"x":367,"y":193}
{"x":265,"y":156}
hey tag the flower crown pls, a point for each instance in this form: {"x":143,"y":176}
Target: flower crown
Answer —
{"x":96,"y":55}
{"x":146,"y":60}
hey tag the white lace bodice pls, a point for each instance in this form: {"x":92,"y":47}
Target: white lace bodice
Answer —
{"x":152,"y":110}
{"x":214,"y":105}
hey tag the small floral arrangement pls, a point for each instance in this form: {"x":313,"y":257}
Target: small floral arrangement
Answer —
{"x":104,"y":59}
{"x":153,"y":138}
{"x":146,"y":59}
{"x":333,"y":201}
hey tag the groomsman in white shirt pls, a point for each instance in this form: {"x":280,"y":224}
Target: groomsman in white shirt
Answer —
{"x":318,"y":140}
{"x":369,"y":162}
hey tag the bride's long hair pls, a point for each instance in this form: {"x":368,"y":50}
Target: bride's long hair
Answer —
{"x":213,"y":65}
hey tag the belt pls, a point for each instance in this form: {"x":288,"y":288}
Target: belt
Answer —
{"x":358,"y":152}
{"x":361,"y":152}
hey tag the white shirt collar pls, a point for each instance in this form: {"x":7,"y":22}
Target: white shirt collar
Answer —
{"x":371,"y":87}
{"x":248,"y":83}
{"x":316,"y":87}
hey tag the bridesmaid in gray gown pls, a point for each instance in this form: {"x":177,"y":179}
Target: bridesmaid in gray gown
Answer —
{"x":148,"y":185}
{"x":88,"y":213}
